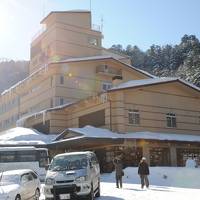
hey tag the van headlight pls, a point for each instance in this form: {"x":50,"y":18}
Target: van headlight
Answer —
{"x":81,"y":179}
{"x":49,"y":181}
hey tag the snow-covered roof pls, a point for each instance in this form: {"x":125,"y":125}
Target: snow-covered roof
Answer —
{"x":24,"y":136}
{"x":74,"y":153}
{"x":92,"y":132}
{"x":150,"y":81}
{"x":20,"y":122}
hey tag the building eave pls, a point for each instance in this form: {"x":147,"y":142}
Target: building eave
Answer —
{"x":168,"y":80}
{"x":57,"y":12}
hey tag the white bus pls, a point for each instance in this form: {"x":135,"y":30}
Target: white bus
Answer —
{"x":12,"y":158}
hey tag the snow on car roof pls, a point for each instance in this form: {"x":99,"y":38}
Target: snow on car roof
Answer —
{"x":74,"y":153}
{"x":17,"y":171}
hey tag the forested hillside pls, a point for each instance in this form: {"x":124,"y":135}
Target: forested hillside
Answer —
{"x":11,"y":72}
{"x":181,"y":60}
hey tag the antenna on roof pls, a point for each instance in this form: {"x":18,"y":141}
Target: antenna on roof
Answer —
{"x":90,"y":5}
{"x":43,"y":7}
{"x":102,"y":21}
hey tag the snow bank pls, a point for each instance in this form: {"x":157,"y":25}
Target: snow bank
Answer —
{"x":162,"y":176}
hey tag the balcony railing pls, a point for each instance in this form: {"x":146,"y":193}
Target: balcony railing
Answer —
{"x":96,"y":27}
{"x":106,"y":70}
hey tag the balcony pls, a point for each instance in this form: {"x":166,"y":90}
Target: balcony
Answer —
{"x":109,"y":71}
{"x":96,"y":27}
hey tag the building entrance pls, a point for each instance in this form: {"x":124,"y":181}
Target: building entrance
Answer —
{"x":159,"y":156}
{"x":183,"y":154}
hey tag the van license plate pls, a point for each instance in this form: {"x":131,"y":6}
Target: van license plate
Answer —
{"x":64,"y":196}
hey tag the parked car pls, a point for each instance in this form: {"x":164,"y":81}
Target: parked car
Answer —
{"x":19,"y":185}
{"x":72,"y":175}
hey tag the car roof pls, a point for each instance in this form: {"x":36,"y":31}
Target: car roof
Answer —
{"x":75,"y":153}
{"x":18,"y":171}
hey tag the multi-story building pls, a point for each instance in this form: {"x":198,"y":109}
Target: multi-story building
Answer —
{"x":160,"y":115}
{"x":75,"y":82}
{"x":68,"y":63}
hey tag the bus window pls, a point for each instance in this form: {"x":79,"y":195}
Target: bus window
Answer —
{"x":9,"y":156}
{"x":26,"y":156}
{"x":12,"y":158}
{"x":43,"y":158}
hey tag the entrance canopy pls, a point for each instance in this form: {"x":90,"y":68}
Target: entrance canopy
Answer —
{"x":91,"y":137}
{"x":85,"y":143}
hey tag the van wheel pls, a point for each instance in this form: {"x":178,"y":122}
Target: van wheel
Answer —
{"x":98,"y":190}
{"x":37,"y":194}
{"x":18,"y":197}
{"x":91,"y":194}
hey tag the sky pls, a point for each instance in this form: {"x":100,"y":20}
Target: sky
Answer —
{"x":135,"y":22}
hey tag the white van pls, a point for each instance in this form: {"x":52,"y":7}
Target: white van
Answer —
{"x":72,"y":175}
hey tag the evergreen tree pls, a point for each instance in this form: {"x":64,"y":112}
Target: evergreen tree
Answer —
{"x":182,"y":60}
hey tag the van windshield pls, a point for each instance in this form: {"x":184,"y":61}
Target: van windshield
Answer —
{"x":69,"y":162}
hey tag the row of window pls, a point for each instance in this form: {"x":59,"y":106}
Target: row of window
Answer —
{"x":24,"y":156}
{"x":12,"y":120}
{"x":13,"y":103}
{"x":8,"y":122}
{"x":134,"y":118}
{"x":9,"y":105}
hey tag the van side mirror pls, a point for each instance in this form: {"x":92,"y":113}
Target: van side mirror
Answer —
{"x":90,"y":163}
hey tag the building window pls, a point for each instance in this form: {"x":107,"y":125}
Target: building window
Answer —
{"x":93,"y":41}
{"x":51,"y":102}
{"x":171,"y":120}
{"x":61,"y":101}
{"x":110,"y":156}
{"x":106,"y":86}
{"x":51,"y":81}
{"x":133,"y":117}
{"x":62,"y":78}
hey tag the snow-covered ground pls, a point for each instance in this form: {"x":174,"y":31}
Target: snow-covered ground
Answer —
{"x":165,"y":183}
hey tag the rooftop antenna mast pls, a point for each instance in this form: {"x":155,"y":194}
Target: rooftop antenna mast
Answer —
{"x":102,"y":21}
{"x":90,"y":5}
{"x":43,"y":8}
